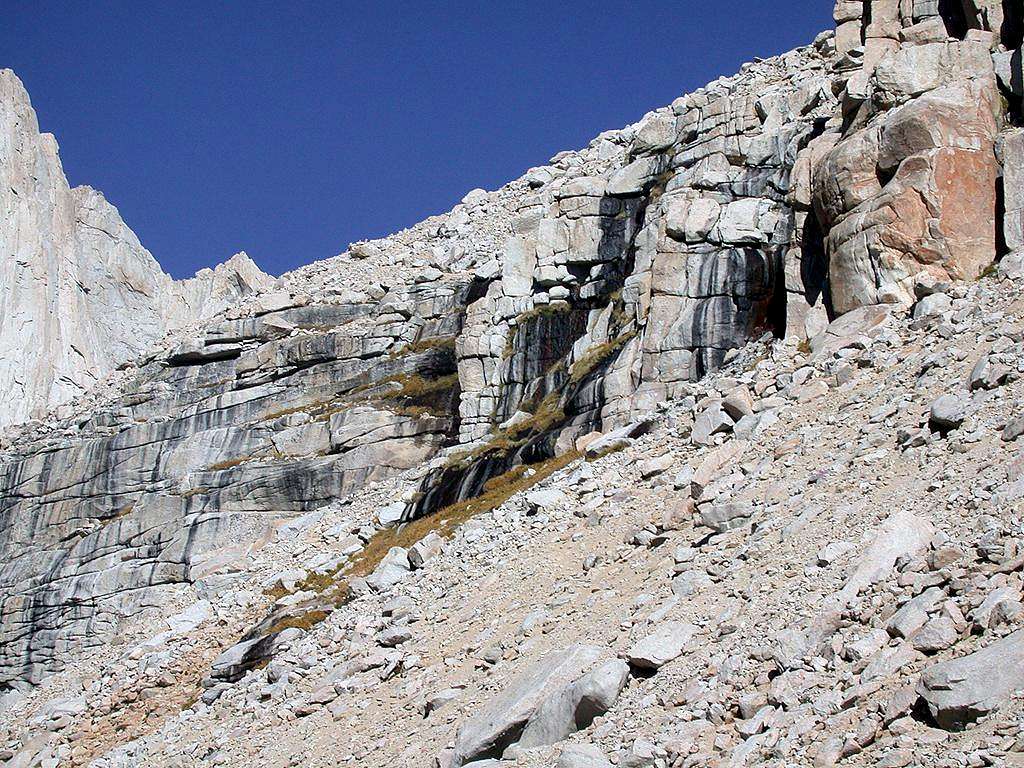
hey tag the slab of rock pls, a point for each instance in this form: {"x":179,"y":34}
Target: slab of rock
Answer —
{"x":617,"y":439}
{"x":576,"y":705}
{"x":500,"y":721}
{"x":726,"y":515}
{"x":937,"y":635}
{"x":856,"y":328}
{"x":582,"y":756}
{"x":656,"y":466}
{"x":391,"y":570}
{"x":665,"y":643}
{"x":234,"y":662}
{"x":426,"y":548}
{"x":1013,"y":430}
{"x":711,"y":421}
{"x":902,"y":535}
{"x":960,"y":691}
{"x":544,"y":499}
{"x":946,"y":414}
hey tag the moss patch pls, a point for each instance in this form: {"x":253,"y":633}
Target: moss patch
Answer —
{"x":441,"y":343}
{"x":304,"y":621}
{"x":222,"y":465}
{"x":596,"y":355}
{"x":445,"y":521}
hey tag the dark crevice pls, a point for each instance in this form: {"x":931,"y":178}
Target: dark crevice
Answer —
{"x":1010,"y":91}
{"x":865,"y":21}
{"x":778,"y":309}
{"x":814,"y":266}
{"x":954,"y":17}
{"x":1012,"y":32}
{"x":1001,"y":247}
{"x":885,"y":175}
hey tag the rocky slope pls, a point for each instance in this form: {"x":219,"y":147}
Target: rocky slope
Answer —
{"x":79,"y":295}
{"x":700,"y":443}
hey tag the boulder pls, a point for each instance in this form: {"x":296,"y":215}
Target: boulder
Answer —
{"x":582,"y":756}
{"x":856,"y":328}
{"x":666,"y":642}
{"x":903,"y":534}
{"x":392,"y":569}
{"x":575,"y":706}
{"x":234,"y":662}
{"x":426,"y":548}
{"x":946,"y":414}
{"x":710,"y":422}
{"x":502,"y":719}
{"x":960,"y":691}
{"x":545,"y":499}
{"x":725,"y":515}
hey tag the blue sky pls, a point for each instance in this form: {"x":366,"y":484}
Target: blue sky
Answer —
{"x":291,"y":129}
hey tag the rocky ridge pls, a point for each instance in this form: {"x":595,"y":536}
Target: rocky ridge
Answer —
{"x":486,"y":466}
{"x":79,"y":295}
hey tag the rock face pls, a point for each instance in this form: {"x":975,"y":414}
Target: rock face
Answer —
{"x":79,"y":295}
{"x":905,"y":187}
{"x":472,"y":349}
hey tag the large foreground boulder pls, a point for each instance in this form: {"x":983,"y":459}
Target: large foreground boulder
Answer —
{"x":559,"y":694}
{"x":960,"y":691}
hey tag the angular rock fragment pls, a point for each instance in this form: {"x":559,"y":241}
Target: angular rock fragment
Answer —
{"x":903,"y":534}
{"x":960,"y":691}
{"x":666,"y":642}
{"x":502,"y":719}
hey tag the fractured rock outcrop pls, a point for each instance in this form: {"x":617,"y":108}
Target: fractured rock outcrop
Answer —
{"x":908,"y":188}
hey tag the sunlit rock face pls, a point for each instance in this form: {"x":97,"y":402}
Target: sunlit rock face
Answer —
{"x":79,"y":295}
{"x":908,"y":190}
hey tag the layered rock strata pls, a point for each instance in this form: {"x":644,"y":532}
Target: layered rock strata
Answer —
{"x":860,"y":170}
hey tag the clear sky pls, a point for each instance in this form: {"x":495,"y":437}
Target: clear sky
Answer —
{"x":290,"y":129}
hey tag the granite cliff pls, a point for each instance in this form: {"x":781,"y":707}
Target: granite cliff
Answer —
{"x":79,"y":295}
{"x":718,"y":346}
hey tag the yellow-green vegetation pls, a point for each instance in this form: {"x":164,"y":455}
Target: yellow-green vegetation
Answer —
{"x":418,"y":395}
{"x":444,"y":522}
{"x":544,"y":310}
{"x":619,"y":318}
{"x":596,"y":355}
{"x":989,"y":271}
{"x":425,"y":345}
{"x":288,"y":411}
{"x":304,"y":621}
{"x":124,"y":511}
{"x":658,"y":188}
{"x":547,"y":413}
{"x":321,"y":583}
{"x":230,"y":463}
{"x":329,"y":585}
{"x":277,"y":591}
